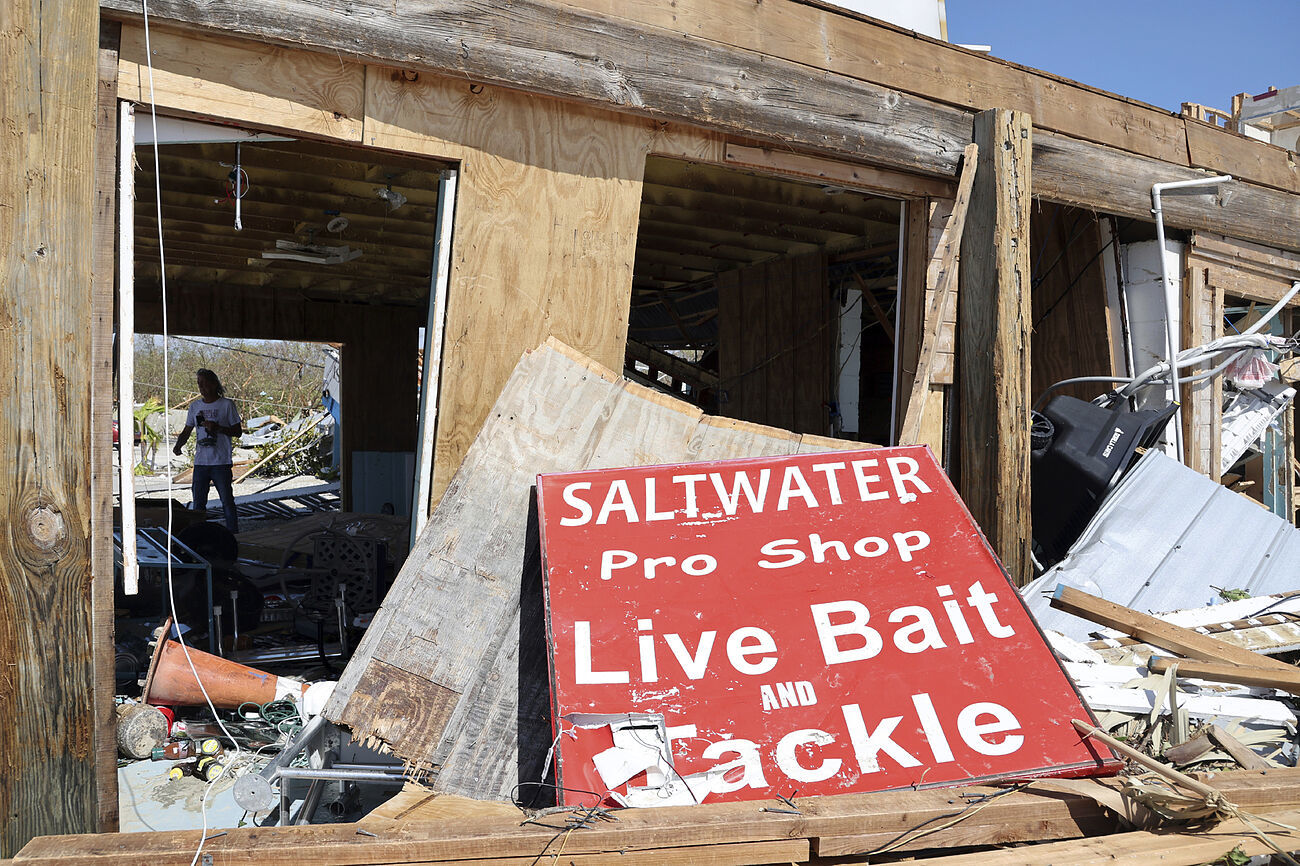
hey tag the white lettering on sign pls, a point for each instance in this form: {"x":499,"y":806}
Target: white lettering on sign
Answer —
{"x":829,"y":634}
{"x":788,"y":762}
{"x":745,"y":642}
{"x":696,"y":565}
{"x":843,"y":631}
{"x":976,"y":734}
{"x":747,"y":760}
{"x":583,"y":671}
{"x":849,"y":640}
{"x":867,"y":547}
{"x":788,"y":694}
{"x":869,"y":745}
{"x":742,"y":491}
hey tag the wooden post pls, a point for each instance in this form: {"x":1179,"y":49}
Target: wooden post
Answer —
{"x":993,"y":338}
{"x":47,"y":329}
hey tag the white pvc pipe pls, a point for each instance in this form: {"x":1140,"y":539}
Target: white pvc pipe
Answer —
{"x":1273,"y":310}
{"x":1171,"y":297}
{"x":126,"y":346}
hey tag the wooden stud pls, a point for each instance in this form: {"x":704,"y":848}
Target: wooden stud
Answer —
{"x":942,"y":274}
{"x":994,"y":328}
{"x":878,"y":311}
{"x":1222,"y":672}
{"x":101,"y":419}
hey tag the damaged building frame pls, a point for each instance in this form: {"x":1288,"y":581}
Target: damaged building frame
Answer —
{"x":769,"y":210}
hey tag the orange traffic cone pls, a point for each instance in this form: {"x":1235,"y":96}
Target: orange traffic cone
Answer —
{"x":229,"y":684}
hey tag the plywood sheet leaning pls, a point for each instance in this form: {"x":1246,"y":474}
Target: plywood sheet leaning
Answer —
{"x":450,"y":676}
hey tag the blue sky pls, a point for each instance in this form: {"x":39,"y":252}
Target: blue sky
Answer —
{"x":1158,"y":51}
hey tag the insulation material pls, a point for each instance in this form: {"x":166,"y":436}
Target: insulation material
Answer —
{"x":1247,"y":415}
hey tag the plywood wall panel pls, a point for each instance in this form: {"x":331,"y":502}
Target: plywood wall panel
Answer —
{"x":545,"y":230}
{"x":262,"y":85}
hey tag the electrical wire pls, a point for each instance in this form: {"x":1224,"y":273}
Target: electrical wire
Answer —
{"x":171,"y":590}
{"x":251,"y":352}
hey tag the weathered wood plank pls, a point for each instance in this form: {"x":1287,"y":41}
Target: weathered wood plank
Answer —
{"x":1198,"y":324}
{"x":48,"y":689}
{"x":783,"y":391}
{"x":1157,"y":632}
{"x":866,"y":177}
{"x":1071,"y":326}
{"x":830,"y":38}
{"x":1173,"y":847}
{"x":103,"y":269}
{"x":1209,"y":147}
{"x":814,"y":313}
{"x":544,"y":48}
{"x":994,"y":322}
{"x":1070,"y":171}
{"x":457,"y":646}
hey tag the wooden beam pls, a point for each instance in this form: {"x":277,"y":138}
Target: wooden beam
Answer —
{"x":1157,"y":632}
{"x":1108,"y":165}
{"x":48,"y":327}
{"x":839,"y":173}
{"x":546,"y":48}
{"x":942,"y":274}
{"x":994,"y":325}
{"x":869,"y":297}
{"x":1086,"y":175}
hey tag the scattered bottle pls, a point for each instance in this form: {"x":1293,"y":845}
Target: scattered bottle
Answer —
{"x":180,"y":749}
{"x":206,"y":768}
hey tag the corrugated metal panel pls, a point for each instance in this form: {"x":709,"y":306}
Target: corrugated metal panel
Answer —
{"x":1162,"y":539}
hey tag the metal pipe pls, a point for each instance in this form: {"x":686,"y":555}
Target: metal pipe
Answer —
{"x":339,"y":774}
{"x":309,"y":803}
{"x":1171,"y":300}
{"x":253,"y":792}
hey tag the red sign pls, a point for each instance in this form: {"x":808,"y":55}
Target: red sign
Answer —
{"x":822,"y":623}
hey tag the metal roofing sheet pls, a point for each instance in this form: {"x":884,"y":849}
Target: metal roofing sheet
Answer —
{"x":1162,"y":540}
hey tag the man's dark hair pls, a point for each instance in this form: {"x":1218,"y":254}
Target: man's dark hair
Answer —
{"x":211,"y":376}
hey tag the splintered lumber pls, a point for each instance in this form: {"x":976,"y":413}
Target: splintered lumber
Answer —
{"x":1157,"y":632}
{"x":1238,"y":750}
{"x":1222,"y":672}
{"x":942,"y":275}
{"x":837,"y":823}
{"x":452,"y":674}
